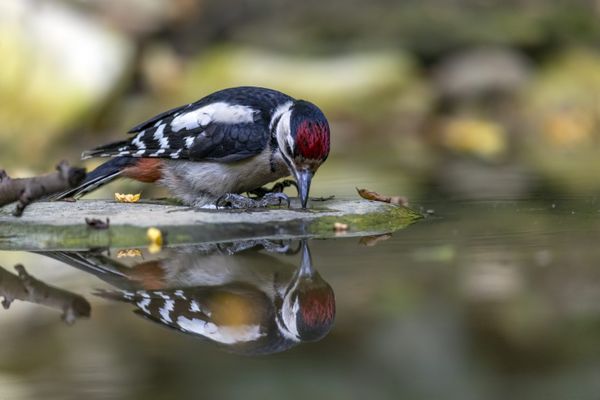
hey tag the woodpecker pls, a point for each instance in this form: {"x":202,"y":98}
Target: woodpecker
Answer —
{"x":249,"y":302}
{"x":232,"y":141}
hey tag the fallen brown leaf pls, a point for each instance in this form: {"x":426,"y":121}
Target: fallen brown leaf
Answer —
{"x":371,"y":241}
{"x":374,"y":196}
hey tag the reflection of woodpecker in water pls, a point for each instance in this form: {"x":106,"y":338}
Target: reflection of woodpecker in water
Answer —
{"x":247,"y":301}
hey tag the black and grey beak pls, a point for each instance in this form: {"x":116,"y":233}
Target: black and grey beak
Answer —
{"x":306,"y":269}
{"x":303,"y":178}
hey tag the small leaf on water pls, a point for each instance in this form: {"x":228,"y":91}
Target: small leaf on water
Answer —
{"x":371,"y":241}
{"x":374,"y":196}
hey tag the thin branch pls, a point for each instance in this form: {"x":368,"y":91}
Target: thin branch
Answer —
{"x":25,"y":287}
{"x":27,"y":190}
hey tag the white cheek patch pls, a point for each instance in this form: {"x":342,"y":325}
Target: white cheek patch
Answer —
{"x":217,"y":112}
{"x":279,"y":112}
{"x":284,"y":137}
{"x":289,"y":328}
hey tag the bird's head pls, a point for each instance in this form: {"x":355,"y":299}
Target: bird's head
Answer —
{"x":303,"y":138}
{"x":308,"y":308}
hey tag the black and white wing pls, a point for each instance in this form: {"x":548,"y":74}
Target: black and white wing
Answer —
{"x":218,"y":131}
{"x":197,"y":311}
{"x":229,"y":125}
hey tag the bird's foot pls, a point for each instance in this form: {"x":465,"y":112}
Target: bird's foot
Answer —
{"x":278,"y":187}
{"x":272,"y":246}
{"x":233,"y":200}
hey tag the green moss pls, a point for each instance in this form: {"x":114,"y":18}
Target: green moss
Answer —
{"x":393,"y":219}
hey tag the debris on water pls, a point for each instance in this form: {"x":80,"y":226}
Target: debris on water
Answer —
{"x":323,"y":198}
{"x":340,"y":227}
{"x":371,"y":195}
{"x":155,"y":237}
{"x":371,"y":241}
{"x":127,"y":198}
{"x":129,"y":253}
{"x":95,"y":223}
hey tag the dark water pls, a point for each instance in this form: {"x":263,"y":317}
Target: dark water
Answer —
{"x":481,"y":300}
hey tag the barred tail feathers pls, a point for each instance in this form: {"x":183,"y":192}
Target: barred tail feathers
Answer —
{"x":102,"y":175}
{"x":108,"y":150}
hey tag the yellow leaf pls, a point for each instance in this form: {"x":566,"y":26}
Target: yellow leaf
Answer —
{"x":127,"y":198}
{"x":129,"y":253}
{"x":154,"y":235}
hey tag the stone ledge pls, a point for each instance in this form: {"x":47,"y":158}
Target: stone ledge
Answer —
{"x":61,"y":225}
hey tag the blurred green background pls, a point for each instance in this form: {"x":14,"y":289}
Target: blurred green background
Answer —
{"x":446,"y":102}
{"x":461,"y":98}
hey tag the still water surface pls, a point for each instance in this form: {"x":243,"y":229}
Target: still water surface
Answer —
{"x":481,"y":300}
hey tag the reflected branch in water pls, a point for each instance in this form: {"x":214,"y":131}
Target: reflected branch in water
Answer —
{"x":25,"y":287}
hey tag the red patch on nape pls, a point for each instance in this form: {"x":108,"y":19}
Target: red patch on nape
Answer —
{"x":318,"y":307}
{"x":145,"y":170}
{"x":312,"y":140}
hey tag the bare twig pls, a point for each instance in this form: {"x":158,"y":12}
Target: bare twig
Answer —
{"x":30,"y":189}
{"x":26,"y":288}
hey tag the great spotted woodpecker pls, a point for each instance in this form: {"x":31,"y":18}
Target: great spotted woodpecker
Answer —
{"x":232,"y":141}
{"x":247,"y":301}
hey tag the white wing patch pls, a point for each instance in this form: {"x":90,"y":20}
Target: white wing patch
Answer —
{"x":143,"y":305}
{"x":189,"y":141}
{"x":138,"y":143}
{"x":163,"y":141}
{"x":165,"y":312}
{"x":194,"y":307}
{"x":216,"y":112}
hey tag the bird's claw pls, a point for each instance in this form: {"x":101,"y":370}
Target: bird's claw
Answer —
{"x":237,"y":201}
{"x":278,"y":187}
{"x":233,"y":200}
{"x":274,"y":199}
{"x":271,"y":246}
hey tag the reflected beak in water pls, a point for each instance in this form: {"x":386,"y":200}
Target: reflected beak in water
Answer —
{"x":303,"y":178}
